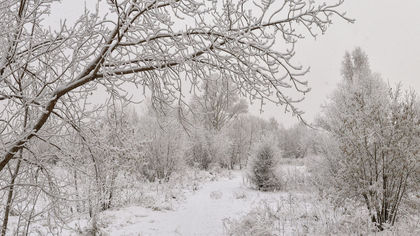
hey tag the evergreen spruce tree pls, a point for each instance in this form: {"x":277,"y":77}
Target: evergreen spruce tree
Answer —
{"x":262,"y":170}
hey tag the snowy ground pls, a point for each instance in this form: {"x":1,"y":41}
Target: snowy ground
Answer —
{"x":202,"y":213}
{"x":224,"y":202}
{"x":297,"y":210}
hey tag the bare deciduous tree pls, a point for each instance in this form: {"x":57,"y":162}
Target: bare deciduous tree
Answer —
{"x":377,"y":130}
{"x":219,"y":104}
{"x":156,"y":44}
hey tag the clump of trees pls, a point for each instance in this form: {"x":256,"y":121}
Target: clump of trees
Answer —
{"x":204,"y":149}
{"x":294,"y":142}
{"x":377,"y":131}
{"x":213,"y":112}
{"x":162,"y":146}
{"x":299,"y":141}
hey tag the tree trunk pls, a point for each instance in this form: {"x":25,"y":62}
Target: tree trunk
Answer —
{"x":10,"y":199}
{"x":12,"y":182}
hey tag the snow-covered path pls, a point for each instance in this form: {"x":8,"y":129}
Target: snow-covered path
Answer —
{"x":201,"y":214}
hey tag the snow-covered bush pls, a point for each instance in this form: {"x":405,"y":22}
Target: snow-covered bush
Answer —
{"x":245,"y":134}
{"x":218,"y":146}
{"x":108,"y":144}
{"x":162,"y":146}
{"x":324,"y":170}
{"x":208,"y":148}
{"x":305,"y":214}
{"x":299,"y":141}
{"x":162,"y":157}
{"x":293,"y":177}
{"x":198,"y":153}
{"x":261,"y":172}
{"x":262,"y":220}
{"x":293,"y":142}
{"x":299,"y":215}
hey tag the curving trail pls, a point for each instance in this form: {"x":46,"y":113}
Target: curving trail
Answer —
{"x":202,"y":213}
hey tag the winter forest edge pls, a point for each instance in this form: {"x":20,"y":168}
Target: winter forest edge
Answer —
{"x":171,"y":146}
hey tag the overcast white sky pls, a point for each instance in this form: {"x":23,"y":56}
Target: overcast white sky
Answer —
{"x":387,"y":30}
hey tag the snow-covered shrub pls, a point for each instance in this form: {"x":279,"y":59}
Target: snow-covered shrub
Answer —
{"x":198,"y":153}
{"x":293,"y":177}
{"x":163,"y":156}
{"x":324,"y":169}
{"x":217,"y":145}
{"x":161,"y":146}
{"x":242,"y":136}
{"x":108,"y":144}
{"x":262,"y":220}
{"x":293,"y":142}
{"x":208,"y":148}
{"x":245,"y":135}
{"x":261,"y":171}
{"x":299,"y":215}
{"x":306,"y":214}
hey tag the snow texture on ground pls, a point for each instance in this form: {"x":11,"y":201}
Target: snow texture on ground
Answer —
{"x":202,"y":213}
